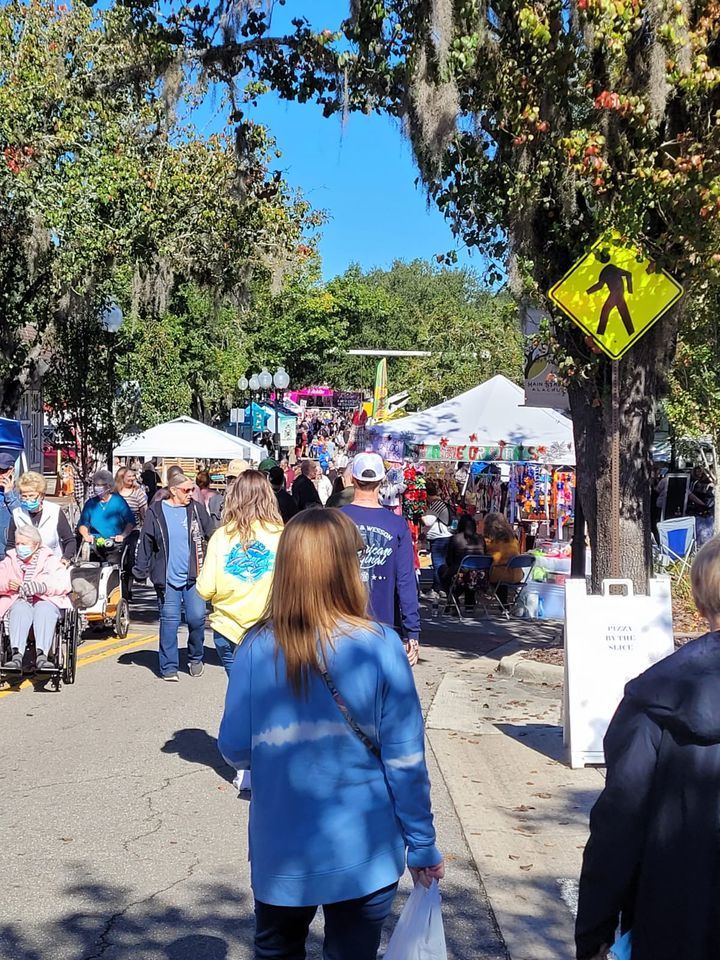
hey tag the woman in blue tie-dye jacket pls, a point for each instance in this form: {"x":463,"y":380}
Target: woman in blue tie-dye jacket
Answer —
{"x":322,"y":708}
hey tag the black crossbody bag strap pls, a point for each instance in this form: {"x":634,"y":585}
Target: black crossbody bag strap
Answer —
{"x":335,"y":694}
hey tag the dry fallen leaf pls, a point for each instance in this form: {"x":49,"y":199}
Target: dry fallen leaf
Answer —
{"x":527,"y":866}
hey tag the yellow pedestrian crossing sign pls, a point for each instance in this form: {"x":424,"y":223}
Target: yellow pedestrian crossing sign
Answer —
{"x":615,"y":294}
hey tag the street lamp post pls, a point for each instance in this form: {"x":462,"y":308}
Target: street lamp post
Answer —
{"x":261,"y":384}
{"x":243,"y":385}
{"x":281,"y":380}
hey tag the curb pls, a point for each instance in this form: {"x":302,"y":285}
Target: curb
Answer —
{"x":533,"y":671}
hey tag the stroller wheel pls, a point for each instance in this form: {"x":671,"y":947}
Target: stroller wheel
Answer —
{"x":122,"y":619}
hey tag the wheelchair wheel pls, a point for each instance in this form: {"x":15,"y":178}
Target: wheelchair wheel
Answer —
{"x":69,"y":651}
{"x":122,"y":619}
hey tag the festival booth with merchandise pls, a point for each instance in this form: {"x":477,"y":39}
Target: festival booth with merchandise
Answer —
{"x":488,"y":452}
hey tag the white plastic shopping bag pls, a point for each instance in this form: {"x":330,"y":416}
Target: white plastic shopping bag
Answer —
{"x":419,"y":934}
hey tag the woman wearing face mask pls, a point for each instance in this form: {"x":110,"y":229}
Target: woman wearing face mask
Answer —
{"x":106,"y":518}
{"x":51,"y":522}
{"x":34,"y":588}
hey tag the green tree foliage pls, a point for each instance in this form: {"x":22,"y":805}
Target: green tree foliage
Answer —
{"x":106,"y":196}
{"x":693,"y":402}
{"x":471,"y":333}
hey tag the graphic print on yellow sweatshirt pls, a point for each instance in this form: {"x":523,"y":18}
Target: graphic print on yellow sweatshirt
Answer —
{"x":237,"y":580}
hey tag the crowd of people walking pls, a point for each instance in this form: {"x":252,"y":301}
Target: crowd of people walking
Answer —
{"x":304,"y":602}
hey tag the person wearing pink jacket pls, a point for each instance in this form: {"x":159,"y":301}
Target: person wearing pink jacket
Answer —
{"x":34,"y":588}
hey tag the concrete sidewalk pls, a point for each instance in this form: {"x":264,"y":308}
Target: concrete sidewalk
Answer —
{"x":524,"y":812}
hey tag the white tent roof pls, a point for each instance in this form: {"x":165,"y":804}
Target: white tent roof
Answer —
{"x":489,"y":414}
{"x":187,"y":438}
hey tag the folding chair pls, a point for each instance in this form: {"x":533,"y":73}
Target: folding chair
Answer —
{"x":478,"y":564}
{"x":677,"y":541}
{"x":525,"y":562}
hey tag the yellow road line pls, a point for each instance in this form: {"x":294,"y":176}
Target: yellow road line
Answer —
{"x":27,"y":684}
{"x":109,"y":653}
{"x":101,"y":644}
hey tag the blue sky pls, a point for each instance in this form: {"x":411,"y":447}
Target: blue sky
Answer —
{"x":362,"y":174}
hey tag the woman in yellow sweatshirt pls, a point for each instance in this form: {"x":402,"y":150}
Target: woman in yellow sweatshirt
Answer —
{"x":238,"y":569}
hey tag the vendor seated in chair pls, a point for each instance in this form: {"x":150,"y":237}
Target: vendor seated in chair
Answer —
{"x":106,"y":519}
{"x":34,"y":588}
{"x":502,"y":545}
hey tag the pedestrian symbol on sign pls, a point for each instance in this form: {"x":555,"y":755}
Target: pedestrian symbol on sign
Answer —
{"x":614,"y":279}
{"x":615,"y":294}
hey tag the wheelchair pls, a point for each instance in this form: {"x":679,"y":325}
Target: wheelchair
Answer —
{"x":62,"y":654}
{"x":99,"y":590}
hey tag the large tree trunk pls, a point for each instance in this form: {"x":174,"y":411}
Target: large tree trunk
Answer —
{"x":642,"y":380}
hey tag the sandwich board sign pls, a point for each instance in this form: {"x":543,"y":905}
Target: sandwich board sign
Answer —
{"x":615,"y":294}
{"x":610,"y":639}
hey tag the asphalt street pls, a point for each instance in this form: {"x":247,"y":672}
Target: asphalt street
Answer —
{"x":123,"y":835}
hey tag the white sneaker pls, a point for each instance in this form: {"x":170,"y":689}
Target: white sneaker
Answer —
{"x":242,"y":780}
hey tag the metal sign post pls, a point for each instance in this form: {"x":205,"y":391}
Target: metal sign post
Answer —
{"x":615,"y":472}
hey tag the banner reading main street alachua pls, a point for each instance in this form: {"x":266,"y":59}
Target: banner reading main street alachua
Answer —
{"x":615,"y":294}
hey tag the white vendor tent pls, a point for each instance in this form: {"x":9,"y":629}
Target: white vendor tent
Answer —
{"x":490,"y":415}
{"x":185,"y":438}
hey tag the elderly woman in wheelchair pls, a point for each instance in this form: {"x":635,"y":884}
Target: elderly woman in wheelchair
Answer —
{"x":34,"y":588}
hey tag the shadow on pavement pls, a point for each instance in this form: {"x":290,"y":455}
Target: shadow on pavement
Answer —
{"x":199,"y":947}
{"x":194,"y":745}
{"x":109,"y":922}
{"x":149,"y":659}
{"x":545,"y":739}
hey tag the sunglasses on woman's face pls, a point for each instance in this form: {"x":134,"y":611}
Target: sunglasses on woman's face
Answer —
{"x":185,"y":489}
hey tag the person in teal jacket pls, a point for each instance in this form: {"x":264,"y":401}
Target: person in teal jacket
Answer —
{"x":322,"y":708}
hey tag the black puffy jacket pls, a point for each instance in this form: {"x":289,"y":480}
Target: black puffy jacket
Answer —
{"x":653,"y":858}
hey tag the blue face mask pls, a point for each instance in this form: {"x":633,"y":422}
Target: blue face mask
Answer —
{"x":24,"y":551}
{"x":32,"y":506}
{"x":100,"y":491}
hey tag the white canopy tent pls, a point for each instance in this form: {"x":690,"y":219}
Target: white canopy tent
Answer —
{"x":490,"y":415}
{"x":185,"y":438}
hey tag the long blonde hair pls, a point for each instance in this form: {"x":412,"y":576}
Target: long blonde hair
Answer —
{"x":317,"y":590}
{"x":250,"y":499}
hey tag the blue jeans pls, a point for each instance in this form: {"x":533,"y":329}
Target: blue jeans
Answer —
{"x":172,"y":600}
{"x":438,"y":555}
{"x":225,"y":650}
{"x":352,"y":928}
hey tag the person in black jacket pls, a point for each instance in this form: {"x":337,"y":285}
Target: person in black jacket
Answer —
{"x":304,"y":490}
{"x":286,"y":505}
{"x":652,"y":863}
{"x":464,"y":542}
{"x":170,"y":551}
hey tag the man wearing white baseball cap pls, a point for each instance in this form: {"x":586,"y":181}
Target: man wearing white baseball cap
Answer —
{"x":387,"y":564}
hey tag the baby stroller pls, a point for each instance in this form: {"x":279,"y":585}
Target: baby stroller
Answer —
{"x":62,"y":654}
{"x":98,"y":587}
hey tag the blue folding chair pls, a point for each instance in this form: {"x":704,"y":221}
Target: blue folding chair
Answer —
{"x":524,"y":562}
{"x":475,"y":563}
{"x":677,"y":541}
